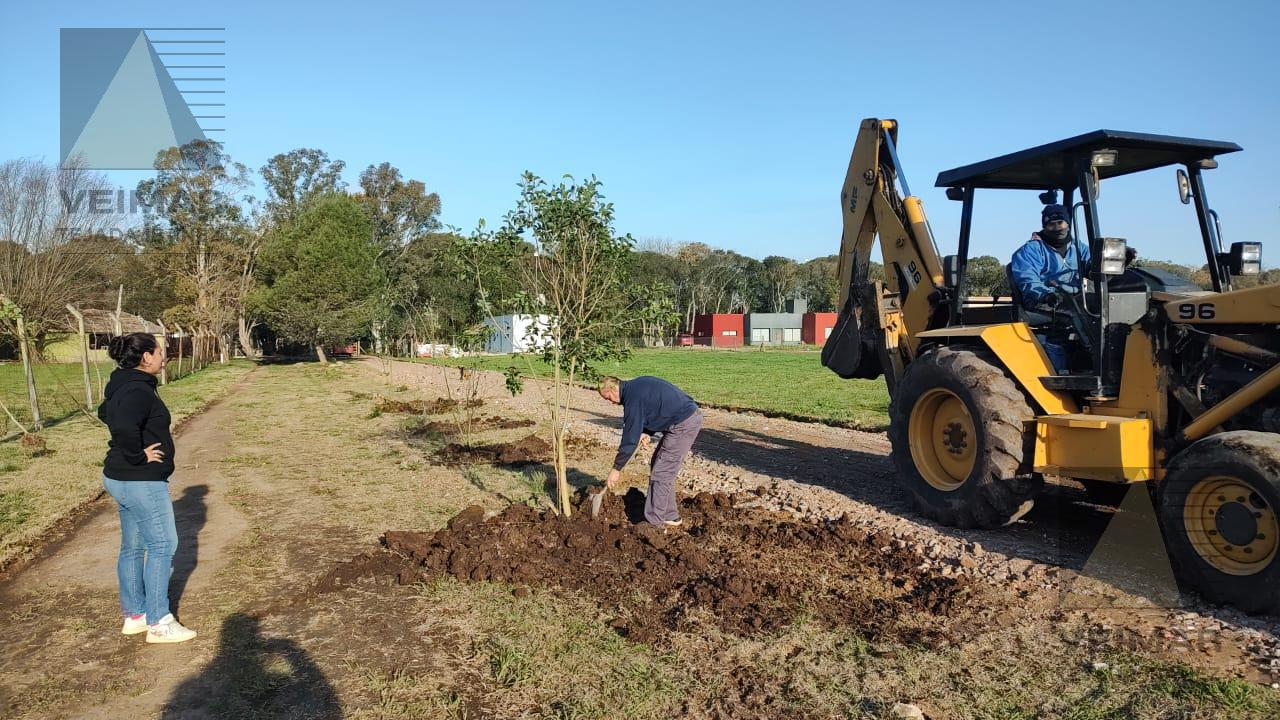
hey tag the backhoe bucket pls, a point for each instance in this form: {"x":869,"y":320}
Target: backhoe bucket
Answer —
{"x":852,"y":351}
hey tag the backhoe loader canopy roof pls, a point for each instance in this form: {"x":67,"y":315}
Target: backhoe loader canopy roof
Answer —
{"x":1053,"y":166}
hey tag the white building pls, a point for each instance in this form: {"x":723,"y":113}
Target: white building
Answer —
{"x":517,"y":333}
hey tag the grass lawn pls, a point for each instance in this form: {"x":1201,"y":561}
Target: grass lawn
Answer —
{"x":36,"y":492}
{"x":789,"y":383}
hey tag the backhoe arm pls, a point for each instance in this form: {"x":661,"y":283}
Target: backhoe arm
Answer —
{"x":875,"y":332}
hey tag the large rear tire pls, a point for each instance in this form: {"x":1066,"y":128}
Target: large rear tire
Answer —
{"x":963,"y":441}
{"x":1218,"y":503}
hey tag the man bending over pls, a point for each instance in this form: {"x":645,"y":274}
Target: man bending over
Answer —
{"x":653,"y":406}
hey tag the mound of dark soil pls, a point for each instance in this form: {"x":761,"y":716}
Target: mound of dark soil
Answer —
{"x":421,"y":407}
{"x":529,"y":450}
{"x":744,"y":571}
{"x":480,"y":424}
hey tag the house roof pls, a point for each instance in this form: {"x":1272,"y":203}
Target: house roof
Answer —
{"x":103,"y":322}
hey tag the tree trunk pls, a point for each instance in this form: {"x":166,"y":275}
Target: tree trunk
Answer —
{"x":320,"y":354}
{"x":32,"y":398}
{"x":562,"y":474}
{"x":246,"y":340}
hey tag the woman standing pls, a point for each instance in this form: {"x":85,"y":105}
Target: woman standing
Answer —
{"x":136,"y":473}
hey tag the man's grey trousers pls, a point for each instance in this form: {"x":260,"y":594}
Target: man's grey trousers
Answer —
{"x":660,"y":504}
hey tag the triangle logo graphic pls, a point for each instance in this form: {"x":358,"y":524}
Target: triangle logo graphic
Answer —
{"x":138,"y":113}
{"x":1131,"y":556}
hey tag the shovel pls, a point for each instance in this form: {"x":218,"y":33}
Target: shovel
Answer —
{"x":597,"y":500}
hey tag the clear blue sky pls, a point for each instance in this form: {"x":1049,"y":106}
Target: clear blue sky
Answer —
{"x":726,"y":123}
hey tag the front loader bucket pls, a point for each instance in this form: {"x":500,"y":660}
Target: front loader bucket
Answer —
{"x":852,"y":351}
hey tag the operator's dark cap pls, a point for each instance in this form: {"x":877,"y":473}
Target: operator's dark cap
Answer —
{"x":1054,"y":212}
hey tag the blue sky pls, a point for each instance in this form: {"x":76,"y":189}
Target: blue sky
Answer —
{"x":726,"y":123}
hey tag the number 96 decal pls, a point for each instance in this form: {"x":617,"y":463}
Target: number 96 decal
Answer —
{"x":1196,"y":311}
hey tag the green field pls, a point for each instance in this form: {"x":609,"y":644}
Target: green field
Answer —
{"x":788,"y":383}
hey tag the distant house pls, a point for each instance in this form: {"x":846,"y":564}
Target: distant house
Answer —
{"x":784,"y":328}
{"x":816,"y":327}
{"x":718,"y":329}
{"x":100,"y":327}
{"x":512,"y":333}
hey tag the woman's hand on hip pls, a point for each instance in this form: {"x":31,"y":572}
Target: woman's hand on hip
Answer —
{"x":154,"y":454}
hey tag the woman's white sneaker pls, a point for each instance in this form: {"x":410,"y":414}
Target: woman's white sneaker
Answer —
{"x":134,"y":624}
{"x":169,"y":630}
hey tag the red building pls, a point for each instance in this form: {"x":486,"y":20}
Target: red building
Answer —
{"x":718,"y":330}
{"x":815,"y":328}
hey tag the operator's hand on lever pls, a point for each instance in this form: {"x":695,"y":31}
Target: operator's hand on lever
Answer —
{"x":1055,"y":298}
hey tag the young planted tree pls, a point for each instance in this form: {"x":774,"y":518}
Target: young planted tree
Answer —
{"x":320,"y":281}
{"x":572,"y":270}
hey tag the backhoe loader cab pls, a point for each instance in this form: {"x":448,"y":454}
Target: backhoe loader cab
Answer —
{"x":1177,"y":386}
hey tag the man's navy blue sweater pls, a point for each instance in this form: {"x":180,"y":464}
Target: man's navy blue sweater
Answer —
{"x":649,"y":405}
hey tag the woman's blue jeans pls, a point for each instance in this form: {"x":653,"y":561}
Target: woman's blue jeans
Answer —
{"x":148,"y":540}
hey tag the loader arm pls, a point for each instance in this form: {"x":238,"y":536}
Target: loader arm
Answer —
{"x":876,"y":330}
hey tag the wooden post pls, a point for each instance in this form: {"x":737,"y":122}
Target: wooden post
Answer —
{"x":179,"y":327}
{"x":84,"y":354}
{"x":119,"y":303}
{"x":164,"y":369}
{"x":32,"y":398}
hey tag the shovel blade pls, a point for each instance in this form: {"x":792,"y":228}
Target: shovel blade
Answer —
{"x":597,"y":499}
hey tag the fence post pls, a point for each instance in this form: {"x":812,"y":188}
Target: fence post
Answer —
{"x":164,"y":369}
{"x":119,"y":303}
{"x":84,"y":354}
{"x":179,"y":327}
{"x":32,"y":398}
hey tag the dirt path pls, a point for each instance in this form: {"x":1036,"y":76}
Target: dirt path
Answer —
{"x":79,"y":575}
{"x":1065,"y":555}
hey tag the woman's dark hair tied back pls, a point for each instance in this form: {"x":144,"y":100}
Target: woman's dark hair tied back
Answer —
{"x":127,"y":350}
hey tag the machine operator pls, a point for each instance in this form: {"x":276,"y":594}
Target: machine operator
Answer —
{"x":1046,"y":271}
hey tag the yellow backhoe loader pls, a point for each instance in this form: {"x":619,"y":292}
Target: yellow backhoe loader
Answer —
{"x":1170,"y":384}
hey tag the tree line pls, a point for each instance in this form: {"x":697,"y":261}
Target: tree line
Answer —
{"x":311,"y":263}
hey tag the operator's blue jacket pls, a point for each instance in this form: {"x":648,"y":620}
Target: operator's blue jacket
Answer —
{"x":1038,"y":268}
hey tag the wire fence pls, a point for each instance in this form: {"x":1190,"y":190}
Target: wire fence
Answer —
{"x":66,"y":373}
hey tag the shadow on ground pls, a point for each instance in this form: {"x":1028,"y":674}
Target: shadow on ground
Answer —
{"x":190,"y":512}
{"x":255,"y":676}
